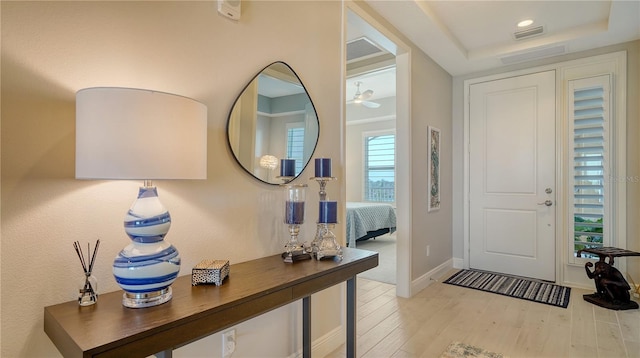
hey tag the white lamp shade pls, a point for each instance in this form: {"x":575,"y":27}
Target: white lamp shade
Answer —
{"x":125,"y":133}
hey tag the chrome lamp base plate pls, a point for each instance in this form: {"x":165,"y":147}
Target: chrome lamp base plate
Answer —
{"x":147,"y":299}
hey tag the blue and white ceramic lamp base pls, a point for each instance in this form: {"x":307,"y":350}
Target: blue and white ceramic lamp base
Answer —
{"x":147,"y":267}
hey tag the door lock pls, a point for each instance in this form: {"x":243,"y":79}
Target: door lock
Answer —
{"x":548,"y":191}
{"x":547,"y":203}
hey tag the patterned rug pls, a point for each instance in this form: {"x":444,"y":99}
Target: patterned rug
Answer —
{"x":460,"y":350}
{"x":513,"y":286}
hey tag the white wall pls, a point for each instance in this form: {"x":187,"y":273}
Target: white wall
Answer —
{"x":52,"y":49}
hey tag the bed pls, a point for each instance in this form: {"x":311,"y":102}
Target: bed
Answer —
{"x":369,"y":220}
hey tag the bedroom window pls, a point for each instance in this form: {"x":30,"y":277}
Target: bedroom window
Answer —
{"x":591,"y":131}
{"x":295,"y":144}
{"x":379,"y":167}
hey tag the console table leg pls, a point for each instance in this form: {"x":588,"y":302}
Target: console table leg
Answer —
{"x":306,"y":327}
{"x":351,"y":317}
{"x":164,"y":354}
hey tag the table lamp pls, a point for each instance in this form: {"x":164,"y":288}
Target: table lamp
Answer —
{"x":268,"y":162}
{"x":137,"y":134}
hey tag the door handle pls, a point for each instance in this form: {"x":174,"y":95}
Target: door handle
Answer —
{"x":547,"y":203}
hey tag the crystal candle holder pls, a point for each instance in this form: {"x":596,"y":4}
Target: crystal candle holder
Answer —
{"x":327,"y":247}
{"x":294,"y":217}
{"x":322,"y":182}
{"x":285,"y":179}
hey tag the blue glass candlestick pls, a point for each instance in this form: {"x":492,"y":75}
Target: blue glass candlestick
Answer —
{"x":287,"y":170}
{"x":328,"y":212}
{"x":294,"y":217}
{"x":323,"y":167}
{"x":287,"y":167}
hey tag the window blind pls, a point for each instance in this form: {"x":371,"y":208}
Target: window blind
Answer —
{"x":379,"y":171}
{"x":295,"y":146}
{"x":590,"y":118}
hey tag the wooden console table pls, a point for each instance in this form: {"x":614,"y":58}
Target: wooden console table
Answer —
{"x":108,"y":329}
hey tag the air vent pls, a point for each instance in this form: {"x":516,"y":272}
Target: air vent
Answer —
{"x":534,"y":31}
{"x":362,"y":48}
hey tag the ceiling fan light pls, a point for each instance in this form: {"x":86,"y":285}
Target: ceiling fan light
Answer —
{"x":357,"y":100}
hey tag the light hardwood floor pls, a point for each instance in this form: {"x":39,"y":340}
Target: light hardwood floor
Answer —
{"x":424,"y":325}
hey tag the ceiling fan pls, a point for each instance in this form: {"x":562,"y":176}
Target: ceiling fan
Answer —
{"x":361,"y":98}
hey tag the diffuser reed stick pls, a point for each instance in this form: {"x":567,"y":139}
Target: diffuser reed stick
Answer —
{"x":88,"y":294}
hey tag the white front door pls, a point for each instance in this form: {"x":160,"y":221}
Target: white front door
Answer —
{"x":512,"y":175}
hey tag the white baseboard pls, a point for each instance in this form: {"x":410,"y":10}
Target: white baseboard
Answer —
{"x":326,"y":344}
{"x":428,"y":278}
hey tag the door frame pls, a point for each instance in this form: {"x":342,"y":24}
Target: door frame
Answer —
{"x":566,"y":273}
{"x":402,"y":52}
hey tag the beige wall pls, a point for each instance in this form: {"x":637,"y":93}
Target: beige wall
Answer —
{"x":431,"y":94}
{"x":52,"y":49}
{"x":430,"y":98}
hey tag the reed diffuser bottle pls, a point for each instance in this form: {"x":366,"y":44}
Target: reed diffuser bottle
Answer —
{"x":88,"y":284}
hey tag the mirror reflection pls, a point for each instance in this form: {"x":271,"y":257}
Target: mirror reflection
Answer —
{"x":273,"y":119}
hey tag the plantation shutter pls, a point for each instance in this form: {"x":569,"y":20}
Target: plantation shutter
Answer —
{"x":589,"y":115}
{"x":379,"y":171}
{"x":295,"y":146}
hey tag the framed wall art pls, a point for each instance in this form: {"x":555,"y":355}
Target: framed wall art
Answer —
{"x":433,"y":160}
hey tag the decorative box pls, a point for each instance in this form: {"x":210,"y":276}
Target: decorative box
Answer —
{"x":210,"y":271}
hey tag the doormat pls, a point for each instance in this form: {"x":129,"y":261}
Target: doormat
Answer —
{"x":513,"y":286}
{"x":460,"y":350}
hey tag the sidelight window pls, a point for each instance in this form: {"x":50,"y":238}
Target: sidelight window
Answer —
{"x":591,"y":138}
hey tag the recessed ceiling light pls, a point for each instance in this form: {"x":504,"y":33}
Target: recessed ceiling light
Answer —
{"x":525,"y":23}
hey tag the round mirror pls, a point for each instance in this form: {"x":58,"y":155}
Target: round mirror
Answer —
{"x":273,"y":119}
